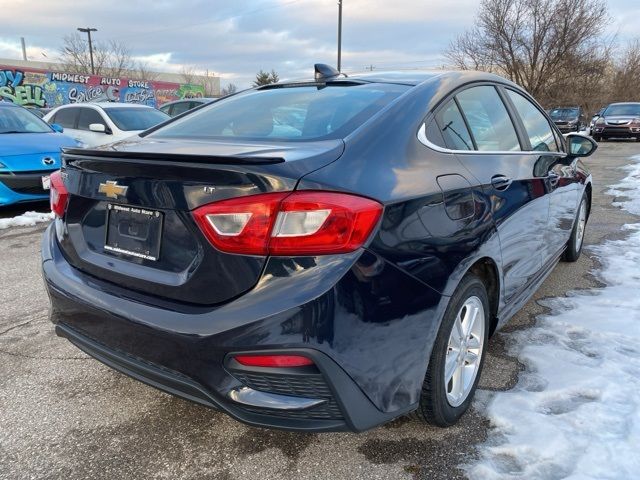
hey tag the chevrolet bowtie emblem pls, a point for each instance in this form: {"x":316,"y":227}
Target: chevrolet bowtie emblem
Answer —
{"x":111,"y":189}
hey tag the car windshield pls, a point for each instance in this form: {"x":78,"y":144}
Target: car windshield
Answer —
{"x":136,"y":118}
{"x":19,"y":120}
{"x":296,"y":113}
{"x":558,"y":113}
{"x":627,"y":109}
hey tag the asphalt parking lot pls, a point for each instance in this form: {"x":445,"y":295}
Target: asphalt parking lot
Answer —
{"x":64,"y":415}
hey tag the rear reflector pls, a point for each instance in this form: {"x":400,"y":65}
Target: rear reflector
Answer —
{"x":58,"y":194}
{"x":282,"y":361}
{"x":289,"y":224}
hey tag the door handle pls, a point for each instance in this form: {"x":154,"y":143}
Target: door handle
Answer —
{"x":500,"y":182}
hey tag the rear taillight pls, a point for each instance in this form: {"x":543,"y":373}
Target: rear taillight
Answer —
{"x":288,"y":224}
{"x":280,"y":361}
{"x":58,"y":194}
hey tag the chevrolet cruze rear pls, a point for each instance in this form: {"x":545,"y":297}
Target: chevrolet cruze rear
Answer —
{"x":318,"y":255}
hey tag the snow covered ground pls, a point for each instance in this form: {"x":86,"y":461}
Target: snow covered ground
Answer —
{"x":27,"y":219}
{"x":575,"y":412}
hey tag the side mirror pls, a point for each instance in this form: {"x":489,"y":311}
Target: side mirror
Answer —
{"x":57,"y":128}
{"x":580,"y":145}
{"x":98,"y":128}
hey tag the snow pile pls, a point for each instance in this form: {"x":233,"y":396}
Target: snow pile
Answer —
{"x":27,"y":219}
{"x":576,"y":410}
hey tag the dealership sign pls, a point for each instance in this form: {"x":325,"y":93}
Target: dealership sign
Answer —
{"x":32,"y":87}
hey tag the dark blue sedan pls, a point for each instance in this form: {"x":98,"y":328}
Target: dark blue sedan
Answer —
{"x":29,"y":152}
{"x":318,"y":255}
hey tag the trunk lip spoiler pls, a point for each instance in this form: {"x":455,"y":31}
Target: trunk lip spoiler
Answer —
{"x":178,"y":157}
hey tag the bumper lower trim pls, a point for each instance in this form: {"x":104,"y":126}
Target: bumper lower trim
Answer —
{"x":254,"y":398}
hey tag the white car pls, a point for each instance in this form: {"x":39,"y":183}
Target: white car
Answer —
{"x":96,"y":124}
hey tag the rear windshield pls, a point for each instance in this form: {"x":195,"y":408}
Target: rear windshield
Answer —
{"x":286,"y":113}
{"x":631,"y":109}
{"x":136,"y":118}
{"x":558,"y":113}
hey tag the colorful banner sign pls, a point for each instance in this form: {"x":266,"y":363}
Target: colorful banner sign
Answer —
{"x":32,"y":87}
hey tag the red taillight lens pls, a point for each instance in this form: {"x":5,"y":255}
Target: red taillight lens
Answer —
{"x":58,"y":194}
{"x":288,"y":224}
{"x":240,"y":225}
{"x":273,"y":360}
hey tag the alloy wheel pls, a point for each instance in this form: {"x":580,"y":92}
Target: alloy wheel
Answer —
{"x":580,"y":227}
{"x":464,"y":352}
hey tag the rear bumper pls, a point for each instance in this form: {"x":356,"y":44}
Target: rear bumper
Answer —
{"x":368,"y":372}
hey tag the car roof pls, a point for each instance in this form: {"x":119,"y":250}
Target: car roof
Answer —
{"x":104,"y":105}
{"x":453,"y":78}
{"x":624,"y":103}
{"x":195,"y":99}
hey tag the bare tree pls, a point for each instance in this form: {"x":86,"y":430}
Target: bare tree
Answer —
{"x":110,"y":58}
{"x":626,"y":77}
{"x":143,"y":72}
{"x":543,"y":45}
{"x":188,"y":73}
{"x":228,"y":90}
{"x":210,"y":82}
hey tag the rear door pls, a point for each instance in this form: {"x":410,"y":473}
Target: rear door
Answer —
{"x":520,"y":204}
{"x":559,"y":173}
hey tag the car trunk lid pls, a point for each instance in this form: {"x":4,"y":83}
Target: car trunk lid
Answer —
{"x":129,"y":221}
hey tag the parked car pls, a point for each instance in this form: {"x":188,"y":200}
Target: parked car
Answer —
{"x":595,"y":117}
{"x":177,"y":107}
{"x":101,"y":123}
{"x":619,"y":120}
{"x":568,"y":119}
{"x":29,"y":152}
{"x":326,"y":275}
{"x":39,"y":112}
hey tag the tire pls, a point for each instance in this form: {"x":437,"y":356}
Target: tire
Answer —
{"x":438,"y":403}
{"x":576,"y":240}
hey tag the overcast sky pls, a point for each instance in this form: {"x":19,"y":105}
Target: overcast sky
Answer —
{"x":237,"y":38}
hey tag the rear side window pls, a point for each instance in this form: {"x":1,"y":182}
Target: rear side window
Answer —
{"x":488,"y":119}
{"x":179,"y":108}
{"x":87,"y":117}
{"x":66,"y":117}
{"x":535,"y":123}
{"x":303,"y":113}
{"x":453,"y":130}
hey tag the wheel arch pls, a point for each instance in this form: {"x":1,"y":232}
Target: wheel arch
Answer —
{"x":487,"y":270}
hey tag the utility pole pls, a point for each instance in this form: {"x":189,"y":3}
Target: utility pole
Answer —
{"x":88,"y":31}
{"x":339,"y":35}
{"x":24,"y":49}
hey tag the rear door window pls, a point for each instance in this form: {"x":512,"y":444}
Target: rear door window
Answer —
{"x":488,"y":119}
{"x":89,"y":116}
{"x":66,"y":117}
{"x":453,"y":130}
{"x":535,"y":123}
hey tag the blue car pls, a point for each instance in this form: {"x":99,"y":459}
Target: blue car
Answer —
{"x":29,"y":151}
